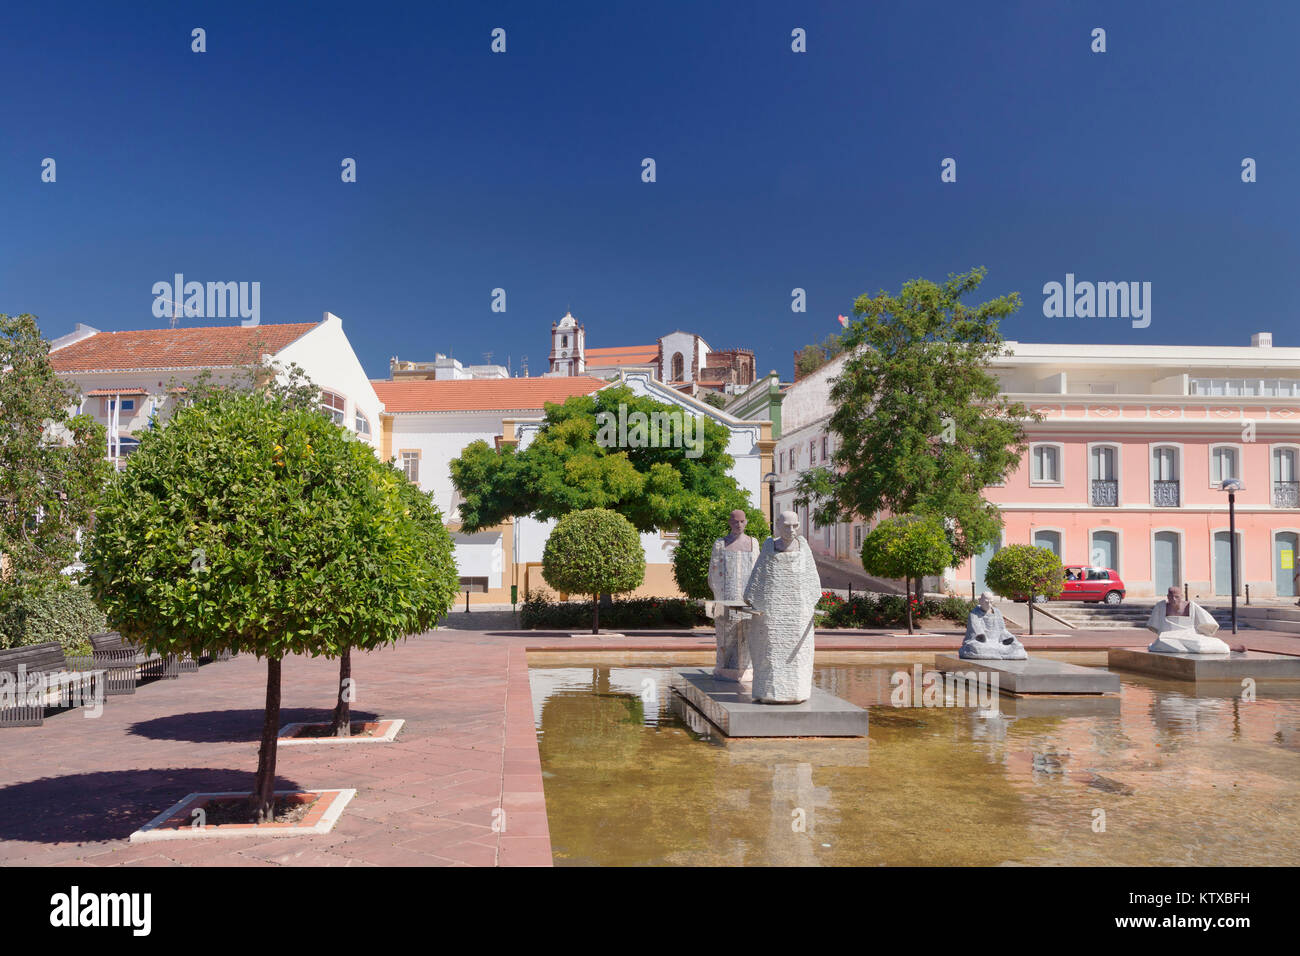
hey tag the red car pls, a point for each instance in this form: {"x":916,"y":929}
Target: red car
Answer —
{"x":1083,"y":583}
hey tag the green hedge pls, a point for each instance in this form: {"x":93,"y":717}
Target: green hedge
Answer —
{"x":61,"y":611}
{"x":542,"y":612}
{"x":885,"y":610}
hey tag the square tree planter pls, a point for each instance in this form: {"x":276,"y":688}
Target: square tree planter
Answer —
{"x":178,"y":822}
{"x":374,"y":731}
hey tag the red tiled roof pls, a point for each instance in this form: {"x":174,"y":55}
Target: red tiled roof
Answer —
{"x":623,"y":355}
{"x":482,"y":394}
{"x":124,"y":390}
{"x":213,"y":347}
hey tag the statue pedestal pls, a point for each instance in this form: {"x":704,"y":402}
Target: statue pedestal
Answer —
{"x":1036,"y":675}
{"x":1234,"y":666}
{"x":731,"y":708}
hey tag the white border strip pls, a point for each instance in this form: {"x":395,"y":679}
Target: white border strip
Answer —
{"x":285,"y":740}
{"x":151,"y":832}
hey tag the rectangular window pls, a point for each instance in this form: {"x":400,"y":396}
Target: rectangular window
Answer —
{"x":411,"y":465}
{"x":857,"y":537}
{"x":812,"y":452}
{"x":1046,"y":463}
{"x":825,"y":456}
{"x":781,"y":466}
{"x":475,"y":585}
{"x":1223,"y":464}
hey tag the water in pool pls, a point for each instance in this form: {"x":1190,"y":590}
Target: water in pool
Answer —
{"x":1162,"y":776}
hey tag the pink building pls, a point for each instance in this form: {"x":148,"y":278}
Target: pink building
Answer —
{"x":1123,"y":471}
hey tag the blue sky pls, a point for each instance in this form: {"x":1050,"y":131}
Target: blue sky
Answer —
{"x":522,"y":170}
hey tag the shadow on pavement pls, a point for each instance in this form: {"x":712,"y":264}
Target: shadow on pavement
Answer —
{"x":80,"y":808}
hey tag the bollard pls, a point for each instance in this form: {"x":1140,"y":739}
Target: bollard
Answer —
{"x":467,"y":600}
{"x":972,"y":590}
{"x":1185,"y":597}
{"x":1247,"y":593}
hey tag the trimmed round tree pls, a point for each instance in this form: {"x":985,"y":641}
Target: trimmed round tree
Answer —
{"x":701,"y":526}
{"x":1025,"y":570}
{"x":253,"y":525}
{"x":908,"y":547}
{"x":596,"y":551}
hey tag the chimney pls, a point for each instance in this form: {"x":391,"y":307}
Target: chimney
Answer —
{"x":1262,"y":340}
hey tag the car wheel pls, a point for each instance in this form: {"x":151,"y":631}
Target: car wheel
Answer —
{"x":1113,"y":597}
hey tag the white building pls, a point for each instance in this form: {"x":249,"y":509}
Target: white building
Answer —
{"x":126,"y":379}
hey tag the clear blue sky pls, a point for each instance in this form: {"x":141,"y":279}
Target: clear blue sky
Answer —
{"x":775,"y":169}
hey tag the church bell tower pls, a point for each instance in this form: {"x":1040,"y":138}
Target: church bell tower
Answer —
{"x":568,"y":347}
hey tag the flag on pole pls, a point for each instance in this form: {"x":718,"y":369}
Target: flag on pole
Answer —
{"x":844,"y":321}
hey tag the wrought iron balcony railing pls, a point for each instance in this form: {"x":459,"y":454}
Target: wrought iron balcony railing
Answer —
{"x":1105,"y":493}
{"x":1286,"y":494}
{"x":1165,"y":494}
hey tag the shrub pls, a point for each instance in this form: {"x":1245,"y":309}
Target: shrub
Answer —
{"x":594,"y":552}
{"x":705,"y":523}
{"x":541,"y":612}
{"x":885,"y":610}
{"x":60,"y":611}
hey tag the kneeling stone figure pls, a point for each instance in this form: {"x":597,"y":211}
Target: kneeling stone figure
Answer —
{"x":987,"y":637}
{"x":1183,"y":627}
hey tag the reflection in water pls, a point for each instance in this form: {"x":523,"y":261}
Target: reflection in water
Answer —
{"x":634,"y":776}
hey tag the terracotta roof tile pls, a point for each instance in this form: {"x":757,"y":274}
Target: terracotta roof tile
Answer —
{"x":212,"y":347}
{"x":623,"y":355}
{"x":487,"y":394}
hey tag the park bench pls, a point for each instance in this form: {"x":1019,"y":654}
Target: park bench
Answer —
{"x":37,"y":677}
{"x":127,"y":664}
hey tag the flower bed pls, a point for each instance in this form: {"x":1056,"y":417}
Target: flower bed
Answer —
{"x":886,"y":610}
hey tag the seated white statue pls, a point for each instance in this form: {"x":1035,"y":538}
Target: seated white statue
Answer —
{"x":987,"y":637}
{"x":1183,"y":627}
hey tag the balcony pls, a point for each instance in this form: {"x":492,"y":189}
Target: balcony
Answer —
{"x":1165,"y":494}
{"x":1105,"y":493}
{"x":1286,"y":494}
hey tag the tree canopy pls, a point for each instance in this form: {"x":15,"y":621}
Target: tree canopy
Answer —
{"x":920,"y":423}
{"x":52,"y":465}
{"x":595,"y":551}
{"x":652,"y":470}
{"x":1025,"y":571}
{"x":908,"y":547}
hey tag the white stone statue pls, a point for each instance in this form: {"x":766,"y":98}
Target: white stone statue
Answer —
{"x":729,"y":569}
{"x":1183,"y":627}
{"x":987,"y":637}
{"x":783,"y":591}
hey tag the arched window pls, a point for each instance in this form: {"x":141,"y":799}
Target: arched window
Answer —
{"x":334,"y":406}
{"x":679,"y":367}
{"x":363,"y":424}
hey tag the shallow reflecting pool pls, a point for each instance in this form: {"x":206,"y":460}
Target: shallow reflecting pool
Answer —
{"x":1162,"y":776}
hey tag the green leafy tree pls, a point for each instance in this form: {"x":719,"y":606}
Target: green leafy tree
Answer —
{"x":1025,"y":571}
{"x":52,"y":465}
{"x":920,"y":424}
{"x":716,"y":399}
{"x":250,"y":525}
{"x":708,"y":521}
{"x":580,"y":459}
{"x":595,"y":551}
{"x":909,"y":547}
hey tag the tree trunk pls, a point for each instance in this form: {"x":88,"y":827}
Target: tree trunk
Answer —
{"x":341,"y":722}
{"x":595,"y":618}
{"x":262,"y":805}
{"x":907,"y":586}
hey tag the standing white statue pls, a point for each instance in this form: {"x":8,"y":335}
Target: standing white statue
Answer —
{"x":783,"y":590}
{"x":1183,"y":627}
{"x":729,"y":569}
{"x":987,"y":637}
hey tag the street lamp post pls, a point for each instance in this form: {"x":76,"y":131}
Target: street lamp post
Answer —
{"x":770,"y":480}
{"x":1232,"y":486}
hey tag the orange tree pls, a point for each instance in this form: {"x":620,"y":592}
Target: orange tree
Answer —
{"x":250,"y":523}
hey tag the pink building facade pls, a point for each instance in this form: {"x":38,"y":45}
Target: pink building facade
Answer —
{"x":1124,"y":470}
